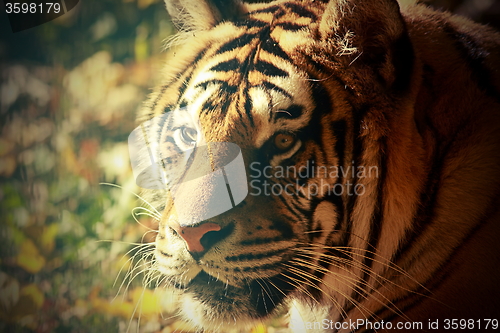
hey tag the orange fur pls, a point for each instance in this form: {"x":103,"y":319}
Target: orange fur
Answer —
{"x":412,"y":91}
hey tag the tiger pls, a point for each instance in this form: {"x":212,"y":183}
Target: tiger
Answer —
{"x":369,"y":135}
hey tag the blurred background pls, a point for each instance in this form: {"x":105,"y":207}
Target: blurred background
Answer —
{"x":70,"y":246}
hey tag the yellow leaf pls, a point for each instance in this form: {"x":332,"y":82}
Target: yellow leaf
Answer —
{"x":81,"y":308}
{"x":120,"y":308}
{"x":9,"y":291}
{"x":29,"y":303}
{"x":80,"y":303}
{"x":29,"y":257}
{"x":100,"y":305}
{"x":34,"y":294}
{"x":123,"y":263}
{"x":147,"y":300}
{"x":68,"y":160}
{"x":94,"y":293}
{"x":47,"y":240}
{"x":113,"y":308}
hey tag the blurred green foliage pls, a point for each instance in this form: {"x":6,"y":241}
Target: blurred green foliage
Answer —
{"x":110,"y":25}
{"x":69,"y":93}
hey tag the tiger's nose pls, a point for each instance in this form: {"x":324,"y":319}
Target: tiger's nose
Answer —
{"x":192,"y":235}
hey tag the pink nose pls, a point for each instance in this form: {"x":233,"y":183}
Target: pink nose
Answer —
{"x":192,"y":235}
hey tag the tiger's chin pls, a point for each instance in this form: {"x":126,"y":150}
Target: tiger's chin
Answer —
{"x":211,"y":304}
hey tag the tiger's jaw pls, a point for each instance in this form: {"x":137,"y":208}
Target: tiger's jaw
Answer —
{"x":209,"y":303}
{"x":214,"y":291}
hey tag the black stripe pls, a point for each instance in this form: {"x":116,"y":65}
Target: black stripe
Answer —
{"x":183,"y":104}
{"x":271,"y":46}
{"x":339,"y":128}
{"x":301,"y":10}
{"x":273,"y":265}
{"x":157,"y":99}
{"x":427,"y":202}
{"x":248,"y":107}
{"x":271,"y":9}
{"x":250,"y":23}
{"x":290,"y":26}
{"x":225,"y":87}
{"x":169,"y":139}
{"x":269,"y":69}
{"x":269,"y":104}
{"x":297,"y":211}
{"x":357,"y":157}
{"x":332,"y":252}
{"x":408,"y":300}
{"x":199,"y":56}
{"x":317,"y":66}
{"x":284,"y":228}
{"x":274,"y":292}
{"x":226,"y":66}
{"x":325,"y":261}
{"x":227,"y":100}
{"x":258,"y":256}
{"x":475,"y":57}
{"x":271,"y":86}
{"x":322,"y":101}
{"x":168,"y":108}
{"x":338,"y":202}
{"x":295,"y":111}
{"x":340,"y":131}
{"x":228,"y":9}
{"x":184,"y":84}
{"x":357,"y":153}
{"x":189,"y":73}
{"x":403,"y":61}
{"x":292,"y":112}
{"x":208,"y":106}
{"x":235,"y":43}
{"x":262,"y":240}
{"x":176,"y":80}
{"x":442,"y":273}
{"x":222,"y":99}
{"x":240,"y":121}
{"x":375,"y":223}
{"x":219,"y":102}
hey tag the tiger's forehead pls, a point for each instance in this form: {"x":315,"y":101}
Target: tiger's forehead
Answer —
{"x":246,"y":85}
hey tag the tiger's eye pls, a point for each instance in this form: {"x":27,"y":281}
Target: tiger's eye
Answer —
{"x":284,"y":141}
{"x":188,"y":135}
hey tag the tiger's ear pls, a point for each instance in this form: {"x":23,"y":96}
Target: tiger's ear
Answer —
{"x":195,"y":15}
{"x":373,"y":33}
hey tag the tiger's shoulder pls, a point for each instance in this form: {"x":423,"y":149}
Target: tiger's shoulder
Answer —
{"x":455,"y":47}
{"x":457,"y":113}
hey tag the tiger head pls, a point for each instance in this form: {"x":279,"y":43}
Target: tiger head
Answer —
{"x":312,"y":94}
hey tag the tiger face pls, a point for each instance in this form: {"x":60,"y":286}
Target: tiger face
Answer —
{"x":330,"y":104}
{"x":242,"y":95}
